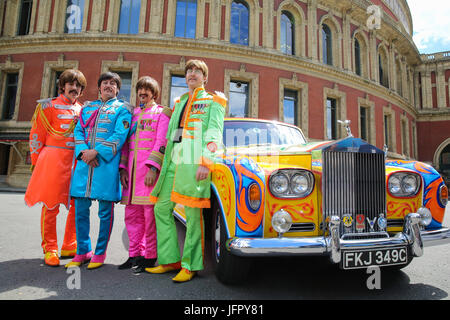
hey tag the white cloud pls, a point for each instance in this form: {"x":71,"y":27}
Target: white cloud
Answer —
{"x":431,"y":24}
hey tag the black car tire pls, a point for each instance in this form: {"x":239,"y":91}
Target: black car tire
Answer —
{"x":229,"y":269}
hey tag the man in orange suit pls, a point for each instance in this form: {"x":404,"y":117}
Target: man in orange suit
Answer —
{"x":51,"y":147}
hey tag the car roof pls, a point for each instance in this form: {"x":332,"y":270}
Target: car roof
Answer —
{"x":260,"y":120}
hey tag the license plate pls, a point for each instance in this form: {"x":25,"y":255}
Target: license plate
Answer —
{"x":356,"y":259}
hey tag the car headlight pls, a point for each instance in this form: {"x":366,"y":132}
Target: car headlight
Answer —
{"x":403,"y":184}
{"x":394,"y":185}
{"x":291,"y":183}
{"x":279,"y":184}
{"x":299,"y":184}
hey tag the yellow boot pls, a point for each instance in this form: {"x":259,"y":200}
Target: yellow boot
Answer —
{"x":163,"y":268}
{"x":73,"y":264}
{"x":96,"y":261}
{"x":51,"y":259}
{"x":68,"y":253}
{"x":94,"y":265}
{"x":79,"y":259}
{"x":184,"y":275}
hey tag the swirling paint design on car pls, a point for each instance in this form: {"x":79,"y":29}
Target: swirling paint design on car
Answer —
{"x":245,"y":172}
{"x":432,"y":182}
{"x":222,"y":184}
{"x":299,"y":211}
{"x":399,"y":209}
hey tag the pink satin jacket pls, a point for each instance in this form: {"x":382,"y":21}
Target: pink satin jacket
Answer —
{"x":144,"y":148}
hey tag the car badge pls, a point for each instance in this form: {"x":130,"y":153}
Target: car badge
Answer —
{"x":347,"y":220}
{"x":360,"y":222}
{"x":382,"y":222}
{"x":371,"y":223}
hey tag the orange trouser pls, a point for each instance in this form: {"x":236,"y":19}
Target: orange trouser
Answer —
{"x":48,"y":229}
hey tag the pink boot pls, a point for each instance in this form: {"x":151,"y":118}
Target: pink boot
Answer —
{"x":79,"y":259}
{"x":96,"y":261}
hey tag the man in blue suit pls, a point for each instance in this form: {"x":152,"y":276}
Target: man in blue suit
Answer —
{"x":99,"y":135}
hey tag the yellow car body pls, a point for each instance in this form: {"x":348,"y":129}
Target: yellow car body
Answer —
{"x":246,"y":208}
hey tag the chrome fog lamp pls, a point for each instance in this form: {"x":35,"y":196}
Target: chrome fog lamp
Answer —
{"x":425,"y":216}
{"x":281,"y":221}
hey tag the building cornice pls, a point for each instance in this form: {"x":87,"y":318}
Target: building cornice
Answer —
{"x":146,"y":43}
{"x":433,"y":115}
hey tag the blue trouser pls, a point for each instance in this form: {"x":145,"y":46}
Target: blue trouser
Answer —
{"x":106,"y":216}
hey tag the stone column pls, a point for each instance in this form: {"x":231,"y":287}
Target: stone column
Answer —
{"x":43,"y":20}
{"x":416,"y":90}
{"x":347,"y":40}
{"x":312,"y":30}
{"x":97,"y":15}
{"x":427,"y":100}
{"x":156,"y":17}
{"x":268,"y":25}
{"x":373,"y":55}
{"x":215,"y":20}
{"x":440,"y":87}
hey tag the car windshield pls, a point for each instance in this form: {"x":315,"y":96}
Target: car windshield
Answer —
{"x":245,"y":133}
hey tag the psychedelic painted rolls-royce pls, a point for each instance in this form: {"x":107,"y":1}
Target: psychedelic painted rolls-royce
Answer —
{"x":273,"y":193}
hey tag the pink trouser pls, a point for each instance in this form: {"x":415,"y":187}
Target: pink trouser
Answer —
{"x":141,"y":228}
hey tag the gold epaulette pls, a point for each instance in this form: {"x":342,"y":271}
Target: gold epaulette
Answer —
{"x":220,"y":98}
{"x":167,"y":111}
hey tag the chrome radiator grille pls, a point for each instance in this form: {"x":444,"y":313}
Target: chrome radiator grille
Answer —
{"x":354,"y":184}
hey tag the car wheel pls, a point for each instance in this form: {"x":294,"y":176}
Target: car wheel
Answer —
{"x":229,"y":269}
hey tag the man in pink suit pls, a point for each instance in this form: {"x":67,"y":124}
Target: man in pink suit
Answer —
{"x":140,"y":164}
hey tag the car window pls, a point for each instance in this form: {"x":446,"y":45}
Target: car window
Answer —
{"x":247,"y":133}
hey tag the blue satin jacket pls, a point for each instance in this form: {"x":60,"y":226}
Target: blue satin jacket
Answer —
{"x":102,"y":126}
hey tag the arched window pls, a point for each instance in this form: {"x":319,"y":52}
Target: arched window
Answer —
{"x":327,"y":45}
{"x":360,"y":54}
{"x":74,"y":16}
{"x":186,"y":19}
{"x":129,"y":16}
{"x":25,"y":17}
{"x":398,"y":75}
{"x":287,"y":28}
{"x":357,"y":58}
{"x":383,"y":68}
{"x":444,"y":164}
{"x":239,"y":27}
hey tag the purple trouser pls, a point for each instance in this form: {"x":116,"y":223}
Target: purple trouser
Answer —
{"x":141,"y":228}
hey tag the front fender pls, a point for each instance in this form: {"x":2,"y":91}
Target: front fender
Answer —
{"x":231,"y":181}
{"x":431,"y":183}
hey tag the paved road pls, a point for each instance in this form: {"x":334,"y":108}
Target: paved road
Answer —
{"x":24,"y":276}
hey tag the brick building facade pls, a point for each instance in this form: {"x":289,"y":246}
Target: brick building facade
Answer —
{"x":308,"y":62}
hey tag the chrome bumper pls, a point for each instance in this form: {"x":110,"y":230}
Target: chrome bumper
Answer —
{"x":332,"y":245}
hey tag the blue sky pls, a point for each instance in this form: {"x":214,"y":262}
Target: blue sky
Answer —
{"x":431,"y":24}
